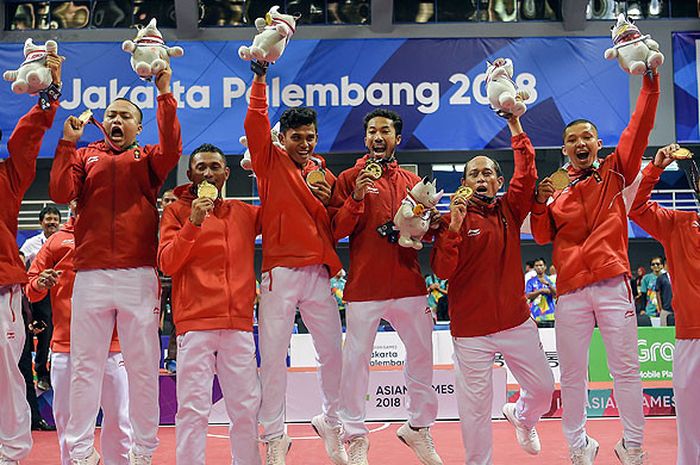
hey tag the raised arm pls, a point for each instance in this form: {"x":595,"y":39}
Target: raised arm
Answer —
{"x":169,"y":148}
{"x":257,"y":127}
{"x":635,"y":137}
{"x":653,"y":218}
{"x":444,"y":257}
{"x":519,"y":196}
{"x":344,"y":209}
{"x":177,"y":237}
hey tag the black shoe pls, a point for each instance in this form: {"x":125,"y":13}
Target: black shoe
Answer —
{"x":41,"y":425}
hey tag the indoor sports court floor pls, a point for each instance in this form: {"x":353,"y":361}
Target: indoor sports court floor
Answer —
{"x":386,"y":449}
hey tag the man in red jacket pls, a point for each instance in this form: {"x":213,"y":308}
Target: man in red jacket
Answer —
{"x":52,"y":271}
{"x":298,"y":260}
{"x":207,"y":245}
{"x":483,"y":231}
{"x":679,"y":233}
{"x":587,"y":221}
{"x":116,"y":183}
{"x":17,"y":173}
{"x":384,"y":281}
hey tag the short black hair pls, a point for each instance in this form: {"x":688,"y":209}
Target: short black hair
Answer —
{"x":388,"y":114}
{"x":496,"y":165}
{"x":541,"y":259}
{"x":49,"y":209}
{"x":530,"y":263}
{"x":579,"y":121}
{"x":663,"y":260}
{"x":293,"y":118}
{"x":138,"y":109}
{"x":205,"y":148}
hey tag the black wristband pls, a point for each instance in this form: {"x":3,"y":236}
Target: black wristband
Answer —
{"x":48,"y":95}
{"x":259,"y":67}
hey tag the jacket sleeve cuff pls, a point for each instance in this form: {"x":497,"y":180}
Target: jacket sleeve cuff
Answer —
{"x":355,"y":207}
{"x":166,"y":98}
{"x":63,"y":143}
{"x":519,"y":139}
{"x":259,"y":91}
{"x":653,"y":171}
{"x":650,"y":83}
{"x":189,"y":231}
{"x":539,"y":208}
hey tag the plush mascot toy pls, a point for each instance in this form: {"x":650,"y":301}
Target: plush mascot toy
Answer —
{"x":636,"y":53}
{"x":274,"y":31}
{"x":412,"y":220}
{"x":32,"y":76}
{"x":503,"y":96}
{"x":246,"y":164}
{"x":149,"y":54}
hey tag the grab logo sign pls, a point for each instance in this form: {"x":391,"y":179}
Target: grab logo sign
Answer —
{"x":655,"y":351}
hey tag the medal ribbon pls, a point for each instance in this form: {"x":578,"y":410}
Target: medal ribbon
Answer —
{"x":111,"y":144}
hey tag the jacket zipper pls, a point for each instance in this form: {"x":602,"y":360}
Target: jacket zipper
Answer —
{"x":114,"y":200}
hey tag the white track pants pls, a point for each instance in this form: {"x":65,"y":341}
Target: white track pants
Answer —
{"x":610,"y":303}
{"x":101,"y":298}
{"x":116,"y":428}
{"x":414,"y":325}
{"x":474,"y":357}
{"x":230,"y":354}
{"x":686,"y":391}
{"x":15,"y":421}
{"x":283,"y":290}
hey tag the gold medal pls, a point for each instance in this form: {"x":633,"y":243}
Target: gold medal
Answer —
{"x":560,"y":179}
{"x":374,"y":169}
{"x":85,"y":116}
{"x":418,"y":209}
{"x":463,"y":192}
{"x":315,"y":176}
{"x":207,"y":190}
{"x":682,"y":154}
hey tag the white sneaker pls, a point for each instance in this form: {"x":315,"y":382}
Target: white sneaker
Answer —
{"x":331,"y":436}
{"x":139,"y":459}
{"x":421,"y":442}
{"x":630,"y":456}
{"x":277,"y":450}
{"x":94,"y":459}
{"x":357,"y":450}
{"x":585,"y":455}
{"x":527,"y":437}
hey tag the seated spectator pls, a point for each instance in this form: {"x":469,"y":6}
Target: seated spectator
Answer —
{"x":437,"y":289}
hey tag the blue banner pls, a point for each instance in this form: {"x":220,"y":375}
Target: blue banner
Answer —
{"x":437,"y":85}
{"x":686,"y":73}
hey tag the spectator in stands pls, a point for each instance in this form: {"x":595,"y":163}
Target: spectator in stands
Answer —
{"x":51,"y":275}
{"x":635,"y":284}
{"x":116,"y":182}
{"x":587,"y":221}
{"x":200,"y":238}
{"x":664,"y":298}
{"x":437,"y":290}
{"x":385,"y":281}
{"x":168,"y":198}
{"x":488,"y":309}
{"x":338,"y":288}
{"x":553,"y":274}
{"x":529,"y":270}
{"x":17,"y":172}
{"x":648,"y":286}
{"x":679,"y":234}
{"x":49,"y":220}
{"x":298,"y":260}
{"x":541,"y":292}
